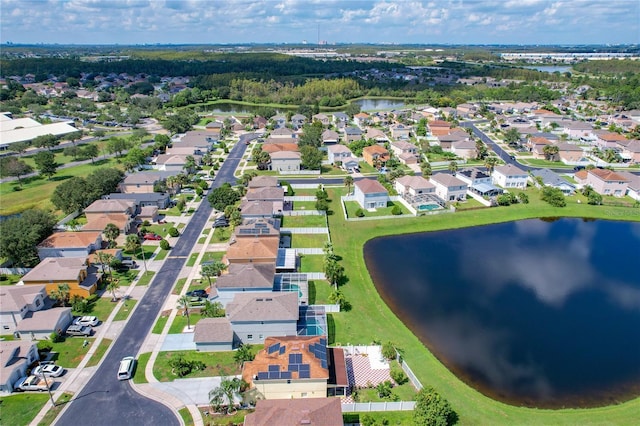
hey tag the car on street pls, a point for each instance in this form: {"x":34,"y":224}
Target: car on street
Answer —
{"x":220,"y":224}
{"x":79,"y":330}
{"x":86,"y":320}
{"x":151,"y":236}
{"x":197,"y":293}
{"x":49,"y":370}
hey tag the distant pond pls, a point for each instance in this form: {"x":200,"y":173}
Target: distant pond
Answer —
{"x":541,"y":313}
{"x":379,"y":104}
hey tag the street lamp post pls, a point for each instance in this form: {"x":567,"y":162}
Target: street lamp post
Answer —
{"x":46,"y":382}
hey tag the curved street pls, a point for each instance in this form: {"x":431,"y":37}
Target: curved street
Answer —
{"x":104,"y":400}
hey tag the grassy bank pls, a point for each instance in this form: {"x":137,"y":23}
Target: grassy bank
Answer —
{"x":369,"y":312}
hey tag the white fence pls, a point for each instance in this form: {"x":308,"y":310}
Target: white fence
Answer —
{"x":330,"y":308}
{"x":14,"y":271}
{"x":307,"y":250}
{"x":299,"y":172}
{"x":446,"y":163}
{"x":364,"y":407}
{"x":303,"y":213}
{"x":301,"y":198}
{"x":479,"y":198}
{"x":317,"y":230}
{"x":315,"y":276}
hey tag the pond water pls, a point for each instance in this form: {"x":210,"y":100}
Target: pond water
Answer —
{"x":550,"y":68}
{"x":542,"y":313}
{"x":379,"y":104}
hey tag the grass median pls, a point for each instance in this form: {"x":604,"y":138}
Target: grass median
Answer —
{"x":369,"y":312}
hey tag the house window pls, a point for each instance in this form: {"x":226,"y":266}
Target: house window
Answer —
{"x":303,"y":394}
{"x":260,"y":336}
{"x":250,"y":336}
{"x":6,"y":327}
{"x":38,"y":303}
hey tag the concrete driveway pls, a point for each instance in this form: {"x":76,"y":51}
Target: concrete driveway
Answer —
{"x":191,"y":391}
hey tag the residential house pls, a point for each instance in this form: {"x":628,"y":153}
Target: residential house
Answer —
{"x":15,"y":357}
{"x":161,"y":200}
{"x":214,"y":128}
{"x":174,"y":162}
{"x":633,"y":184}
{"x":340,"y":119}
{"x":282,"y":133}
{"x":577,"y":130}
{"x":400,"y":131}
{"x":260,"y":122}
{"x":52,"y":271}
{"x":257,"y":316}
{"x":478,"y":182}
{"x":448,"y":187}
{"x":38,"y":325}
{"x":253,"y":250}
{"x":361,"y":119}
{"x":607,"y":182}
{"x":70,"y":244}
{"x":377,"y":135}
{"x":330,"y":137}
{"x":352,"y":134}
{"x":244,"y":277}
{"x":99,"y":221}
{"x":401,"y":147}
{"x":213,"y":335}
{"x":263,"y":181}
{"x":279,"y":121}
{"x":286,"y":161}
{"x":464,"y":149}
{"x":552,"y":179}
{"x":261,"y":209}
{"x":375,"y":155}
{"x":102,"y":212}
{"x":607,"y":139}
{"x":571,"y":154}
{"x":289,"y":368}
{"x":298,"y":120}
{"x":370,"y":194}
{"x":271,"y":147}
{"x":193,"y":143}
{"x":262,"y":227}
{"x":413,"y":185}
{"x":338,"y":153}
{"x":143,"y":182}
{"x":16,"y":302}
{"x":295,"y":412}
{"x":267,"y":193}
{"x":439,"y":127}
{"x":322,"y":118}
{"x":446,"y":141}
{"x":509,"y":176}
{"x":631,"y":152}
{"x":466,"y":110}
{"x":536,"y":145}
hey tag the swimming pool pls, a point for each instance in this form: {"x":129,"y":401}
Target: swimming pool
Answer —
{"x":428,"y":207}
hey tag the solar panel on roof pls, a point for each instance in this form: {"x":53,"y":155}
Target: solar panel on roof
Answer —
{"x":324,"y":363}
{"x":304,"y":374}
{"x":263,"y":376}
{"x":293,"y":367}
{"x":304,"y":367}
{"x":292,"y":358}
{"x":273,"y":368}
{"x":299,"y":358}
{"x":274,"y":375}
{"x":273,"y":348}
{"x":323,"y":342}
{"x":282,"y":349}
{"x":285,"y":375}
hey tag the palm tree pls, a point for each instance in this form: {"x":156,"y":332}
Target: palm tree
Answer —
{"x":105,"y":260}
{"x":212,"y":270}
{"x":453,"y":167}
{"x":132,"y":244}
{"x":490,"y":163}
{"x":229,"y":389}
{"x":190,"y":164}
{"x":183,"y":303}
{"x":333,"y":271}
{"x":61,"y":293}
{"x":172,"y":184}
{"x":348,"y":181}
{"x":112,"y":287}
{"x":550,"y":152}
{"x":111,"y":233}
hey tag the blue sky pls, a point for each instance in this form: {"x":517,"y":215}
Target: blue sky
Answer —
{"x":292,"y":21}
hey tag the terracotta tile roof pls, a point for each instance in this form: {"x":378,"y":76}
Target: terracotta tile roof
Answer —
{"x":375,"y":149}
{"x":370,"y":186}
{"x":257,"y":249}
{"x":611,"y":137}
{"x":247,"y":275}
{"x":607,"y":175}
{"x":213,"y":330}
{"x":293,"y":345}
{"x":277,"y":147}
{"x":539,"y":140}
{"x":98,"y":223}
{"x":274,"y":306}
{"x":70,"y":239}
{"x":296,"y":412}
{"x":581,"y":174}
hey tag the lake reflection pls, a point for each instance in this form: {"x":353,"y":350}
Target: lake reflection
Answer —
{"x":532,"y":312}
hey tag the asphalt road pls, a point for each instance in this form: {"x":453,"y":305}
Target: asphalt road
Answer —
{"x":107,"y":401}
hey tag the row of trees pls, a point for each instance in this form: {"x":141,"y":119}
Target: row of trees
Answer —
{"x":20,"y":235}
{"x":78,"y":192}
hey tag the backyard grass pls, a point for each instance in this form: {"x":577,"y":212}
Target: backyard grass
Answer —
{"x":53,"y":412}
{"x":9,"y":279}
{"x":179,"y":323}
{"x":100,"y":307}
{"x":179,"y":284}
{"x":355,"y":326}
{"x":185,"y":414}
{"x":36,"y":191}
{"x":305,"y":192}
{"x":217,"y":364}
{"x":99,"y":353}
{"x":307,"y":221}
{"x":70,"y":352}
{"x":319,"y":292}
{"x":391,"y":418}
{"x":141,"y":365}
{"x":354,"y":206}
{"x":160,"y":323}
{"x":405,"y":392}
{"x":221,"y":235}
{"x":471,"y":203}
{"x":21,"y":409}
{"x":311,"y":263}
{"x":125,"y":310}
{"x":308,"y":240}
{"x":146,"y":277}
{"x":304,"y":205}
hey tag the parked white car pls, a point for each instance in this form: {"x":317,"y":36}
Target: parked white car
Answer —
{"x":49,"y":370}
{"x":86,"y":320}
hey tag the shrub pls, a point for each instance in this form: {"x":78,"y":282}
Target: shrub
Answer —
{"x":396,"y":211}
{"x":56,"y":337}
{"x":523,"y":198}
{"x":45,"y":346}
{"x":146,"y":223}
{"x":180,"y":205}
{"x":432,"y":409}
{"x":388,"y":351}
{"x":203,"y":184}
{"x":174,"y":232}
{"x":360,"y":213}
{"x":553,"y":196}
{"x":398,"y":376}
{"x":164,"y":245}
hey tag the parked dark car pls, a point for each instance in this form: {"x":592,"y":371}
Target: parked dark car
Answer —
{"x":79,"y":330}
{"x":197,"y":293}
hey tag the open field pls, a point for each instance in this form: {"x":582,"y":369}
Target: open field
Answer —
{"x":368,"y":309}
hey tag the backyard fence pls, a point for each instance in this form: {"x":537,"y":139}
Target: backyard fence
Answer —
{"x":300,"y":198}
{"x":303,"y":213}
{"x":307,"y":250}
{"x":414,"y":380}
{"x":14,"y":271}
{"x":299,"y":172}
{"x":314,"y":230}
{"x":479,"y":198}
{"x":315,"y":276}
{"x":365,"y":407}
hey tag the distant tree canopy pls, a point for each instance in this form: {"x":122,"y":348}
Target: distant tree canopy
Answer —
{"x":77,"y":192}
{"x":20,"y":235}
{"x":223,"y":196}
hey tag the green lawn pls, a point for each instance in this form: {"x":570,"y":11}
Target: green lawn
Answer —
{"x":53,"y":413}
{"x":179,"y":284}
{"x":304,"y":205}
{"x":217,"y":364}
{"x":202,"y":239}
{"x":332,"y":171}
{"x":125,"y":278}
{"x":69,"y":353}
{"x":192,"y":259}
{"x":471,"y":203}
{"x":366,"y":168}
{"x":319,"y":292}
{"x":141,"y":365}
{"x":308,"y":221}
{"x":160,"y":229}
{"x":36,"y":191}
{"x":398,"y":418}
{"x":185,"y":414}
{"x":180,"y":322}
{"x":236,"y":418}
{"x":311,"y":263}
{"x":405,"y":392}
{"x":99,"y":353}
{"x":211,"y":256}
{"x":9,"y":279}
{"x":305,"y":192}
{"x":146,"y":277}
{"x":125,"y":310}
{"x":100,"y":307}
{"x":160,"y":323}
{"x":21,"y":409}
{"x":221,"y":235}
{"x":308,"y":240}
{"x":355,"y":326}
{"x":353,"y":206}
{"x":162,"y":254}
{"x":544,"y":163}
